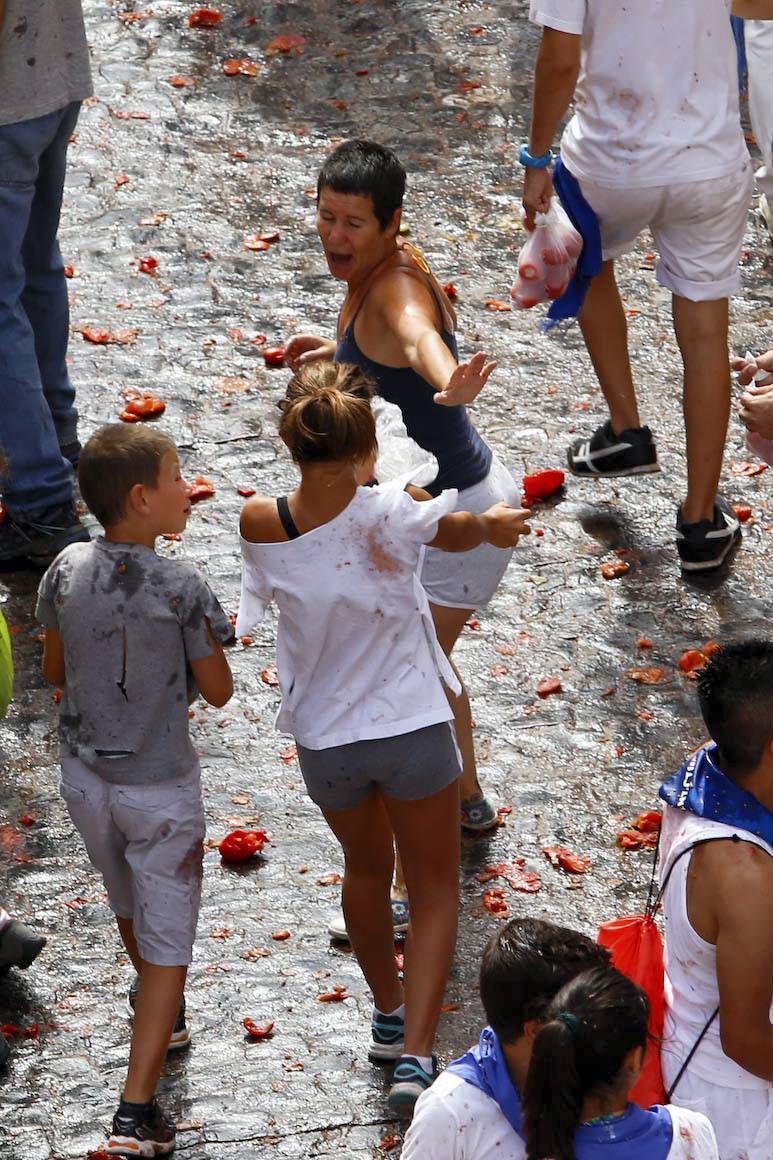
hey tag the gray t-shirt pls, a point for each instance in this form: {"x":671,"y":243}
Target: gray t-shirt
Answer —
{"x":130,"y":622}
{"x":44,"y":58}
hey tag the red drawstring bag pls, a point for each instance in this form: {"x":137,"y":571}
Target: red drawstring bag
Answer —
{"x":637,"y":952}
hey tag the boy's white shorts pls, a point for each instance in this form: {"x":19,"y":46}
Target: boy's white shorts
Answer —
{"x":742,"y":1118}
{"x":147,"y":843}
{"x":698,"y":229}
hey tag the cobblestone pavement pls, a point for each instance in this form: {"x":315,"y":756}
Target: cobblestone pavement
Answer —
{"x":184,"y":170}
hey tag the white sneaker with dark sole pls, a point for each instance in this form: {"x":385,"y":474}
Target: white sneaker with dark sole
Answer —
{"x":387,"y":1038}
{"x":146,"y":1135}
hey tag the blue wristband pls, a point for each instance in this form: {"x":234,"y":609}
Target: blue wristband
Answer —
{"x":530,"y":162}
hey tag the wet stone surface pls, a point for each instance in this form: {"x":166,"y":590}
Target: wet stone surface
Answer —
{"x":210,"y":163}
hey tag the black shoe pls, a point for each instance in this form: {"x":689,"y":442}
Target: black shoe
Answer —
{"x":150,"y":1133}
{"x":632,"y":452}
{"x":19,"y":946}
{"x":180,"y":1036}
{"x":38,"y":541}
{"x":705,"y":544}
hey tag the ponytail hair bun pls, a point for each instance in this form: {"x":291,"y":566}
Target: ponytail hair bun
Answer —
{"x":326,"y":414}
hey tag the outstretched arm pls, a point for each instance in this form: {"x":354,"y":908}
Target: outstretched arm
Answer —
{"x":555,"y":78}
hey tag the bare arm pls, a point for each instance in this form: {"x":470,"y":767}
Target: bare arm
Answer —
{"x":745,"y":956}
{"x":555,"y":78}
{"x":501,"y":526}
{"x":753,"y":9}
{"x":213,"y":674}
{"x":53,"y":649}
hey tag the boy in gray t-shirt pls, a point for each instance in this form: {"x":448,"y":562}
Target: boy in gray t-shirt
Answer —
{"x":133,"y":638}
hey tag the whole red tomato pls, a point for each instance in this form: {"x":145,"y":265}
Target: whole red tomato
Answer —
{"x":240,"y":845}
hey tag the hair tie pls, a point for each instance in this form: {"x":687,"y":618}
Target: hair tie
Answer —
{"x":572,"y":1022}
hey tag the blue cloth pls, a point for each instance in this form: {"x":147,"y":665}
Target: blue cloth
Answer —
{"x":740,"y":48}
{"x":584,"y":220}
{"x":464,"y":458}
{"x":485,"y":1067}
{"x":637,"y":1135}
{"x":701,"y":788}
{"x":37,"y":400}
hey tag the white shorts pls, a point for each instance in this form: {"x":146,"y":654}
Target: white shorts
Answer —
{"x":698,"y":228}
{"x":469,"y":579}
{"x":742,"y":1118}
{"x":147,"y":841}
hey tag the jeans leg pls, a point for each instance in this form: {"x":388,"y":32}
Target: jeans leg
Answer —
{"x":35,"y":477}
{"x":45,"y":293}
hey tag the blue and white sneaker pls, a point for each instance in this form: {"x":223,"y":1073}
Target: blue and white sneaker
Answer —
{"x":408,"y":1082}
{"x":400,"y":917}
{"x":388,"y":1035}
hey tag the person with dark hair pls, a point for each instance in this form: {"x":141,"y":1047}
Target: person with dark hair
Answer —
{"x":586,"y":1057}
{"x":716,"y":864}
{"x":132,"y":638}
{"x":45,"y":75}
{"x":473,"y":1111}
{"x":398,"y":325}
{"x":363,"y":683}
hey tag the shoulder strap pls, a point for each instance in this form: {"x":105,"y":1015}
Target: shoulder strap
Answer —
{"x":408,"y":258}
{"x":690,"y":1054}
{"x":287,"y":521}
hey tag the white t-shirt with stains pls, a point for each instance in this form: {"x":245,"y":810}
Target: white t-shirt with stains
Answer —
{"x":657,"y":98}
{"x":456,"y":1121}
{"x":357,"y":653}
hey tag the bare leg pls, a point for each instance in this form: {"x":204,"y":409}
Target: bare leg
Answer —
{"x":701,"y":331}
{"x":158,"y":1003}
{"x":126,"y":930}
{"x":366,"y":839}
{"x":605,"y":331}
{"x":427,"y":834}
{"x":449,"y":622}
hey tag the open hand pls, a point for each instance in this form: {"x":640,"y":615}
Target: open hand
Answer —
{"x":305,"y":348}
{"x":467,"y":381}
{"x":505,"y":525}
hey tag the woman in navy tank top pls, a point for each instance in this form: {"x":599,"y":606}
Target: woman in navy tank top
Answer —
{"x":398,"y":325}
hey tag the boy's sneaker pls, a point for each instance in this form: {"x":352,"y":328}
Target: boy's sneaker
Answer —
{"x":400,"y":916}
{"x":704,"y":546}
{"x":408,"y":1082}
{"x":632,"y":452}
{"x":180,"y":1036}
{"x":19,"y":946}
{"x":37,"y":542}
{"x":388,"y":1034}
{"x":149,"y":1133}
{"x":478,"y":815}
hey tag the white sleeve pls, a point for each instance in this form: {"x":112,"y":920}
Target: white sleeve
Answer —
{"x":419,"y":518}
{"x":694,"y":1137}
{"x":563,"y":15}
{"x":434,"y":1133}
{"x":256,"y":591}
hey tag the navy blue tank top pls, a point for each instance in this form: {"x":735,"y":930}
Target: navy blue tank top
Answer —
{"x":464,"y":458}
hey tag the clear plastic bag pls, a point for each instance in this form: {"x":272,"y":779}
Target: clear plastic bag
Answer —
{"x":398,"y":454}
{"x":548,"y":260}
{"x":758,"y":444}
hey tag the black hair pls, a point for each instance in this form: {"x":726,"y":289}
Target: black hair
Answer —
{"x":523,"y":966}
{"x":364,"y":167}
{"x":592,"y":1024}
{"x":735,"y":691}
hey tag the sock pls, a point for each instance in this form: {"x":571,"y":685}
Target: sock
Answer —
{"x":128,"y":1111}
{"x":424,"y":1062}
{"x":397,"y":1011}
{"x":5,"y":918}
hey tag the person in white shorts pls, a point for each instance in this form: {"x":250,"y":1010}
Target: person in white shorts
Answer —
{"x":655,"y":141}
{"x":758,"y":35}
{"x":716,"y":850}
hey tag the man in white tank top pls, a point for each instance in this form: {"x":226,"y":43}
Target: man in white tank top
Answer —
{"x":718,"y":1046}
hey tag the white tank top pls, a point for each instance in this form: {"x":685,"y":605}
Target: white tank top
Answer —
{"x":691,"y":989}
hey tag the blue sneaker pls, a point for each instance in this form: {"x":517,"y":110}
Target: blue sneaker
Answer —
{"x":388,"y":1033}
{"x":400,"y":916}
{"x":408,"y":1082}
{"x":478,"y":815}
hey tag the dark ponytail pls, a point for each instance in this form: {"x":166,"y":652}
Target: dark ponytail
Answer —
{"x":326,"y":414}
{"x":592,"y":1024}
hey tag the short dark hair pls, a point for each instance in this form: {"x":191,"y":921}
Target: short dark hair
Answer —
{"x":735,"y":691}
{"x":364,"y":167}
{"x":592,"y":1024}
{"x":115,"y":458}
{"x":525,"y":964}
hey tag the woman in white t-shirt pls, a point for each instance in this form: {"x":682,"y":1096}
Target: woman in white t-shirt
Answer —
{"x":363,"y":682}
{"x":586,"y":1058}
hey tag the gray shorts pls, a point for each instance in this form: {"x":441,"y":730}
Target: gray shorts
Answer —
{"x":470,"y":579}
{"x":408,"y":767}
{"x":147,"y":843}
